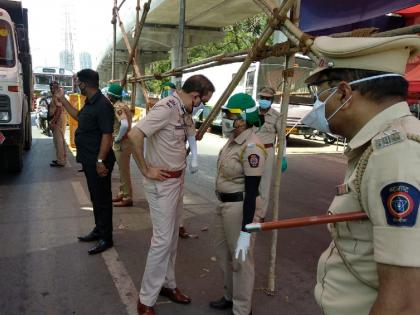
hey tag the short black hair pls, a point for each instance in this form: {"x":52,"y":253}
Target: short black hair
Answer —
{"x":89,"y":77}
{"x":376,"y":90}
{"x":198,"y":83}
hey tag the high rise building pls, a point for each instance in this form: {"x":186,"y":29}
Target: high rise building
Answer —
{"x":85,"y":60}
{"x":67,"y":60}
{"x":67,"y":55}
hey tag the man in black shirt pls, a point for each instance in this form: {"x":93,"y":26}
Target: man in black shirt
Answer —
{"x":93,"y":139}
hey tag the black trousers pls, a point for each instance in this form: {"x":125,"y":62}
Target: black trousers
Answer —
{"x":101,"y":197}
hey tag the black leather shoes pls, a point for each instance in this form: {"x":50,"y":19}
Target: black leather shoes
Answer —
{"x":100,"y":247}
{"x":221,"y":304}
{"x":91,"y":237}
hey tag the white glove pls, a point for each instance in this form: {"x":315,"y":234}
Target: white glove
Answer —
{"x":194,"y":165}
{"x":242,"y":245}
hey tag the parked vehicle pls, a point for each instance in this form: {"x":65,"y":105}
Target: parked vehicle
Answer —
{"x":202,"y":115}
{"x":41,"y":115}
{"x":328,"y":138}
{"x":15,"y":84}
{"x":268,"y":72}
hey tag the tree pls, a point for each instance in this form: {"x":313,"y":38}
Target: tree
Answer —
{"x":238,"y":36}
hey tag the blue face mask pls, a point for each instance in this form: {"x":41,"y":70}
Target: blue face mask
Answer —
{"x":317,"y":119}
{"x":264,"y":104}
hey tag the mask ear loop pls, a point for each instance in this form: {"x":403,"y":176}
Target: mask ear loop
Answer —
{"x":339,"y":107}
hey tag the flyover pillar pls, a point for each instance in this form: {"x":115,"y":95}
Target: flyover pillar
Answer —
{"x":140,"y":99}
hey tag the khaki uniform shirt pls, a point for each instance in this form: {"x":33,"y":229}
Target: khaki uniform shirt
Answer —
{"x":268,"y":131}
{"x":390,"y":196}
{"x":57,"y":112}
{"x":166,"y":131}
{"x":240,"y":157}
{"x":122,"y":111}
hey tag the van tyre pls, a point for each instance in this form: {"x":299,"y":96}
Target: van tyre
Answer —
{"x":15,"y":158}
{"x":28,"y":133}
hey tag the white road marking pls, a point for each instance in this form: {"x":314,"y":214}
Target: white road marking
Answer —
{"x":80,"y":193}
{"x":122,"y":280}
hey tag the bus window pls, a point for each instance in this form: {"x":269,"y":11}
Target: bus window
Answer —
{"x":7,"y":48}
{"x":43,"y":79}
{"x":64,"y":80}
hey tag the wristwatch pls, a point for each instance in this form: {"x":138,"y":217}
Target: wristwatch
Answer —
{"x":99,"y":161}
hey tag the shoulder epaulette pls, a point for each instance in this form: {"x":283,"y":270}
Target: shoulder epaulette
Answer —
{"x":387,"y":138}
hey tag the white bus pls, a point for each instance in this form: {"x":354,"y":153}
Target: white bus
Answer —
{"x":43,"y":76}
{"x":268,"y":72}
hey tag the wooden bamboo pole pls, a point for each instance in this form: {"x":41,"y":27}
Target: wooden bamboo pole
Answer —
{"x":259,"y":44}
{"x":287,"y":82}
{"x":114,"y":38}
{"x":412,"y":29}
{"x":128,"y":45}
{"x":146,"y":9}
{"x":137,"y":70}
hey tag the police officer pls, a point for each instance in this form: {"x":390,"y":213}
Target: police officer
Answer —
{"x":121,"y":145}
{"x":373,"y":266}
{"x":58,"y":124}
{"x":270,"y":127}
{"x":168,"y":89}
{"x":240,"y":166}
{"x":163,"y":171}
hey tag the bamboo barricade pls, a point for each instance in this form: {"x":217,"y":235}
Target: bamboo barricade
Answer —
{"x":287,"y":81}
{"x":258,"y":45}
{"x":136,"y":68}
{"x":306,"y":221}
{"x":146,"y":9}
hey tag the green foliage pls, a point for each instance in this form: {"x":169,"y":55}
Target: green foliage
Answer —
{"x":238,"y":36}
{"x":157,"y":67}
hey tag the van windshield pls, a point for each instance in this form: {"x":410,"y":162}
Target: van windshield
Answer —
{"x":7,"y":50}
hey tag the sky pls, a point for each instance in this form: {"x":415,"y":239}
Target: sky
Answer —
{"x":90,"y":21}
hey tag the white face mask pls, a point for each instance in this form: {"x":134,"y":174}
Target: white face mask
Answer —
{"x":316,"y":117}
{"x":227,"y":127}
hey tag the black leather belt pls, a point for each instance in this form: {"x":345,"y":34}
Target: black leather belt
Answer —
{"x":230,"y":197}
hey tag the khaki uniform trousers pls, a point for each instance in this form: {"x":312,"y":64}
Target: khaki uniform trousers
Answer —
{"x":238,"y":275}
{"x":59,"y":141}
{"x":122,"y":155}
{"x":166,"y":204}
{"x":265,"y":203}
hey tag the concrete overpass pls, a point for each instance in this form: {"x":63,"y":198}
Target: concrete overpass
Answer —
{"x":204,"y":21}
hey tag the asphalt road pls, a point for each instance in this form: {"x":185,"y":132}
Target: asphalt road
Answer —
{"x":44,"y":270}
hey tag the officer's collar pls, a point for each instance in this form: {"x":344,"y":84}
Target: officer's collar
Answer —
{"x":243,"y":136}
{"x":378,"y":123}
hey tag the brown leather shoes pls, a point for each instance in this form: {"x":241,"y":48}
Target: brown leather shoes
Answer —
{"x":118,"y":198}
{"x":124,"y":203}
{"x":175,"y":295}
{"x":183,"y":232}
{"x":144,"y":309}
